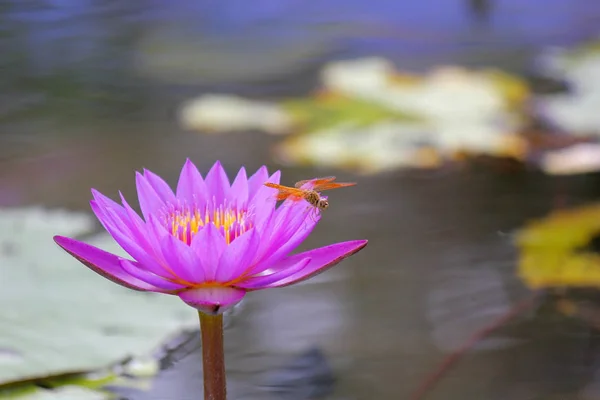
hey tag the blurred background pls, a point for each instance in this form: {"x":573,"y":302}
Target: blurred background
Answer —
{"x":471,"y":126}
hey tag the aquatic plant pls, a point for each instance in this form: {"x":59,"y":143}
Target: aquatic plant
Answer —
{"x":209,"y":243}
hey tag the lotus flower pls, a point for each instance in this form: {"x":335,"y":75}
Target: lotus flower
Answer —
{"x":210,"y":242}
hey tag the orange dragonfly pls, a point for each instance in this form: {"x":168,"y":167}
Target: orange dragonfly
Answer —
{"x":311,"y":192}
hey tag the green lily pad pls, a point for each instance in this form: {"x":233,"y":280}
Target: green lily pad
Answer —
{"x":60,"y":317}
{"x":370,"y":118}
{"x":65,"y":393}
{"x":551,"y":250}
{"x":327,"y":112}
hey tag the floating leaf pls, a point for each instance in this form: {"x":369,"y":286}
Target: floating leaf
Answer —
{"x":329,"y":110}
{"x":221,"y":113}
{"x":384,"y":146}
{"x":446,"y":93}
{"x":371,"y":118}
{"x":575,"y":112}
{"x":552,"y":252}
{"x":64,"y":393}
{"x":578,"y":159}
{"x":391,"y":145}
{"x":62,"y":317}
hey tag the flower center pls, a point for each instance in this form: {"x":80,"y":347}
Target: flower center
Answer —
{"x":185,"y":221}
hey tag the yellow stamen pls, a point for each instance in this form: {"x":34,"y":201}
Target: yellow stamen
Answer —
{"x":185,"y":222}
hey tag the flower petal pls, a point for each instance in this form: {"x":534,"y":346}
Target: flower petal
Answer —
{"x":138,"y":271}
{"x":139,"y":227}
{"x":149,"y":200}
{"x":257,"y":180}
{"x":218,"y":184}
{"x":213,"y":300}
{"x":182,"y":260}
{"x":284,"y":271}
{"x":290,"y":225}
{"x":322,"y":259}
{"x":264,"y":193}
{"x":162,"y":188}
{"x":103,"y":263}
{"x":208,"y":246}
{"x":238,"y":195}
{"x":191,"y":188}
{"x":263,"y":202}
{"x":137,"y":250}
{"x":120,"y":214}
{"x":294,"y":238}
{"x":238,"y":256}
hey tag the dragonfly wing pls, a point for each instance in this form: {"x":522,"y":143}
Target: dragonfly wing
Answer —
{"x":315,"y":181}
{"x":285,"y":195}
{"x":285,"y":192}
{"x":332,"y":185}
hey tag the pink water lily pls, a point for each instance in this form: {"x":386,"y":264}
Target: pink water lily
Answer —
{"x":210,"y":242}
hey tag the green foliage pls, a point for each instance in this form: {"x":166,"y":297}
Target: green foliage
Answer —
{"x":331,"y":110}
{"x":552,"y":250}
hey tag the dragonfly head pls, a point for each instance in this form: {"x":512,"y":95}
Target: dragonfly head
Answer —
{"x":323,"y":204}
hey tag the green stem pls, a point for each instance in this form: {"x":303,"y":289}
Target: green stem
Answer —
{"x":213,"y":360}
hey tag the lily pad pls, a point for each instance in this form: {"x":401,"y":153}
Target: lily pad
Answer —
{"x":371,"y":118}
{"x":391,"y":145}
{"x":445,"y":93}
{"x":66,"y":393}
{"x":574,"y":112}
{"x":329,"y":109}
{"x":552,"y":250}
{"x":213,"y":113}
{"x":60,"y":317}
{"x":578,"y":159}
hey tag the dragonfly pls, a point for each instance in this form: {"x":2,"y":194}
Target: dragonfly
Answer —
{"x":309,"y":190}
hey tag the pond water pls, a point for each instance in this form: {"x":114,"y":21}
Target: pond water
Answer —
{"x":89,"y":93}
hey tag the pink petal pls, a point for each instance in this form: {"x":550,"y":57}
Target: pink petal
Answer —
{"x":120,"y":216}
{"x":212,"y":300}
{"x":182,"y":260}
{"x":290,"y":225}
{"x":208,"y":246}
{"x":139,"y":227}
{"x":162,"y":188}
{"x":296,"y":238}
{"x":238,"y":195}
{"x":294,"y":217}
{"x":149,"y":200}
{"x":103,"y":263}
{"x":322,"y":259}
{"x":108,"y":203}
{"x":157,"y":229}
{"x":218,"y":184}
{"x":257,"y":180}
{"x":264,"y":199}
{"x":238,"y":256}
{"x":283,"y":271}
{"x":136,"y":249}
{"x":191,"y":188}
{"x":263,"y":193}
{"x":137,"y":271}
